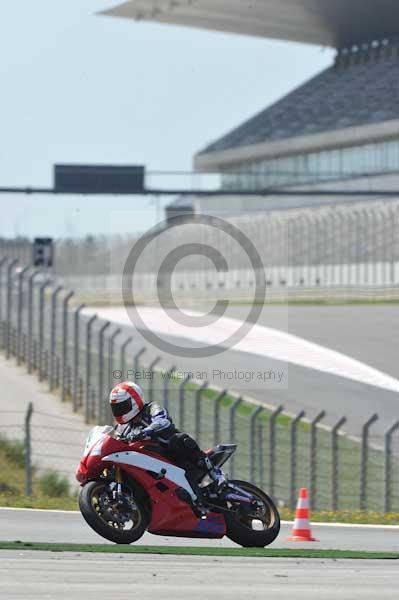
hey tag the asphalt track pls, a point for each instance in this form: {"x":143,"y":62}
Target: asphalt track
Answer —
{"x":368,"y":334}
{"x":69,"y":527}
{"x":48,"y":575}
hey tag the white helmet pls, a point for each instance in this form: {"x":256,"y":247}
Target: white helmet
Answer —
{"x":127,"y":400}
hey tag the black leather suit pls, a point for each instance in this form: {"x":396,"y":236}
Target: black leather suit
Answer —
{"x":155,"y":423}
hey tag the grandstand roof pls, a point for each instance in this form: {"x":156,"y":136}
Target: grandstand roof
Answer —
{"x":327,"y":22}
{"x":342,"y":96}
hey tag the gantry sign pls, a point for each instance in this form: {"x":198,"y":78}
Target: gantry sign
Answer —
{"x":129,"y":180}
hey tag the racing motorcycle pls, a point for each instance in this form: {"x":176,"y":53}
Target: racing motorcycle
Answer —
{"x":132,"y":486}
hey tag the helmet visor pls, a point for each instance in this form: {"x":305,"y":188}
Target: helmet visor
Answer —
{"x":121,"y":408}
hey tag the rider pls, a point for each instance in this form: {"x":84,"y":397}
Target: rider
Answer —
{"x":138,"y":419}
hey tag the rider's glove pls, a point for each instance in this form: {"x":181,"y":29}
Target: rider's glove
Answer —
{"x":147,"y":432}
{"x":140,"y":433}
{"x":134,"y":434}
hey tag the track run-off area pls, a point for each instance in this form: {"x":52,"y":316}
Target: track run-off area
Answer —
{"x":341,"y":359}
{"x":208,"y":571}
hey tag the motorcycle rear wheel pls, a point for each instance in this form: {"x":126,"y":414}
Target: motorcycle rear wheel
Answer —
{"x":90,"y":507}
{"x":240,"y":524}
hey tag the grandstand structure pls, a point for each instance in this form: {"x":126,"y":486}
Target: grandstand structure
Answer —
{"x":337,"y":132}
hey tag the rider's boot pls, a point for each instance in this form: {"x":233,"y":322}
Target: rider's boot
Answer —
{"x":214,"y":479}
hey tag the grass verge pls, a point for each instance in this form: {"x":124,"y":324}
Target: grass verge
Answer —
{"x":50,"y":488}
{"x":350,"y":517}
{"x":360,"y":517}
{"x":199,"y":551}
{"x":39,"y":502}
{"x":95,"y":301}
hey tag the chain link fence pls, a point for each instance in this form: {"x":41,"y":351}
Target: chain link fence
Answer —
{"x":39,"y":452}
{"x":345,"y":251}
{"x":76,"y":355}
{"x":275,"y":452}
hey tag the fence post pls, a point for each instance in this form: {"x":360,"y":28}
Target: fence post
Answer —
{"x":10,"y":267}
{"x":19,"y":312}
{"x":197,"y":411}
{"x":35,"y":354}
{"x":57,"y":371}
{"x":53,"y":330}
{"x":123,"y":355}
{"x":88,"y":407}
{"x":2,"y":262}
{"x":92,"y":401}
{"x":252,"y":442}
{"x":13,"y":339}
{"x":65,"y":343}
{"x":137,"y":357}
{"x":334,"y":463}
{"x":293,"y":460}
{"x":216,"y":417}
{"x":272,"y":445}
{"x":393,"y":235}
{"x":30,"y":318}
{"x":181,"y":401}
{"x":166,"y":387}
{"x":45,"y":366}
{"x":232,"y":426}
{"x":28,"y":451}
{"x":68,"y":384}
{"x":41,"y":325}
{"x":102,"y":331}
{"x":76,"y":355}
{"x":261,"y":463}
{"x":313,"y":459}
{"x":80,"y":392}
{"x":151,"y":384}
{"x":24,"y":348}
{"x":111,"y":345}
{"x":388,"y":466}
{"x":364,"y":461}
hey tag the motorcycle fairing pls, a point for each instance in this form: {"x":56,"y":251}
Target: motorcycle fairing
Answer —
{"x":149,"y":463}
{"x":169,"y":514}
{"x":214,"y":525}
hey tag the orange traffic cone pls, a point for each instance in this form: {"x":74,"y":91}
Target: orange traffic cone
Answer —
{"x":301,"y":531}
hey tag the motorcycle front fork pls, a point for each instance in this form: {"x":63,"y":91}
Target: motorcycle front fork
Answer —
{"x":117,"y":488}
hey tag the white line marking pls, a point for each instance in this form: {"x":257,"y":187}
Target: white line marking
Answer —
{"x":42,"y":510}
{"x":260,"y":340}
{"x":348,"y":525}
{"x":314,"y":523}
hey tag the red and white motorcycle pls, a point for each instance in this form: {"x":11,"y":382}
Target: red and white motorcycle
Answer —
{"x":132,"y":487}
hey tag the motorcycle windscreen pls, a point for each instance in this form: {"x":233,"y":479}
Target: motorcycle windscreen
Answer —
{"x":95,"y":435}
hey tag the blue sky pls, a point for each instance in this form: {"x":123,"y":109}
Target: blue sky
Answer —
{"x":77,"y":87}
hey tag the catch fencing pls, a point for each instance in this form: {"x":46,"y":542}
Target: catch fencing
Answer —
{"x":345,"y":251}
{"x":342,"y":251}
{"x":278,"y":453}
{"x":76,"y":356}
{"x":38,"y":449}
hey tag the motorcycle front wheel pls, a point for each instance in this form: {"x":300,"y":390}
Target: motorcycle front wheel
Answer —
{"x":253,"y":528}
{"x":120,"y":521}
